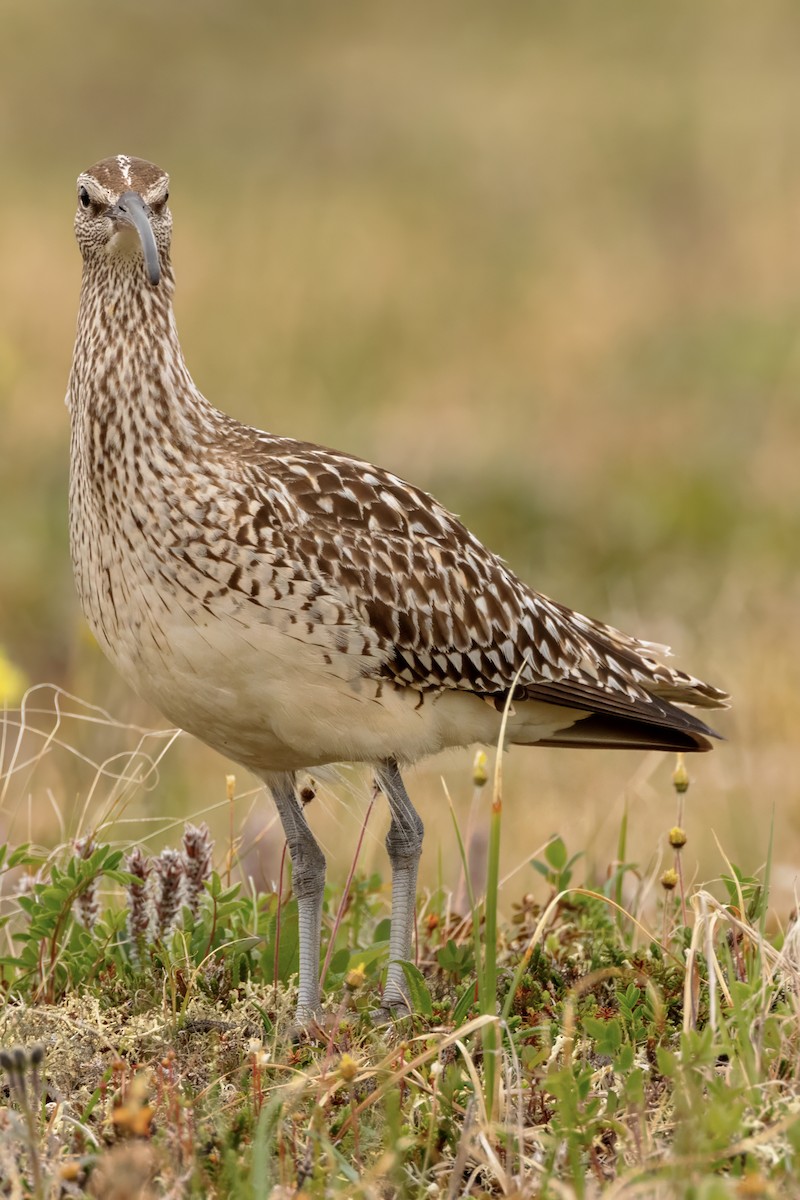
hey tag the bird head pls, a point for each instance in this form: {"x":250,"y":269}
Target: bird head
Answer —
{"x":122,"y":215}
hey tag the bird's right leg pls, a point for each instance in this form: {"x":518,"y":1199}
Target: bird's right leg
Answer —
{"x":404,"y":844}
{"x":308,"y":884}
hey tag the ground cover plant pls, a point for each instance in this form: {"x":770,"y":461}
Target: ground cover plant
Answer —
{"x":625,"y":1035}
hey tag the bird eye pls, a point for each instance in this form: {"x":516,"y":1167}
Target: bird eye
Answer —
{"x":158,"y":206}
{"x":84,"y":197}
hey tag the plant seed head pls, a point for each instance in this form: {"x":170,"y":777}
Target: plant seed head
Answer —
{"x":680,"y":777}
{"x":480,"y":772}
{"x":348,"y":1068}
{"x":354,"y":979}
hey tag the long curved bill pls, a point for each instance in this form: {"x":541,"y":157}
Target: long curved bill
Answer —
{"x":131,"y":209}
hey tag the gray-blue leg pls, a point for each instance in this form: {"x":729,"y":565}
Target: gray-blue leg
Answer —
{"x":404,"y":845}
{"x":308,"y":884}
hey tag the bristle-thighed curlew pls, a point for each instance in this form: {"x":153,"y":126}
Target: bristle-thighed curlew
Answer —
{"x":291,"y":605}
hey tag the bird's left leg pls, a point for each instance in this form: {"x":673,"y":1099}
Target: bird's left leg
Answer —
{"x":308,"y":883}
{"x":404,"y":845}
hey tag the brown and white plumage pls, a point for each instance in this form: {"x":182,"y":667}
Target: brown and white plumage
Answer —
{"x":292,"y":605}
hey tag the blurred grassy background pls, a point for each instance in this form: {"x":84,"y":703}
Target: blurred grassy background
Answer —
{"x":541,"y":259}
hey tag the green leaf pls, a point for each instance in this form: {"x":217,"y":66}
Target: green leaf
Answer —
{"x":229,"y":894}
{"x":464,"y":1003}
{"x":607,"y":1035}
{"x":22,"y":854}
{"x":455,"y":959}
{"x":594,"y":1027}
{"x":120,"y":877}
{"x":340,"y":961}
{"x":382,"y":930}
{"x":556,"y":854}
{"x":417,"y":988}
{"x":633,"y":1089}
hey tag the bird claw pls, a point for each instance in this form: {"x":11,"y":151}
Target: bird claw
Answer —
{"x":388,"y":1014}
{"x":309,"y":1026}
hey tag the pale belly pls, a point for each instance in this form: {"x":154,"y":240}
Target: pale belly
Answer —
{"x":274,"y":702}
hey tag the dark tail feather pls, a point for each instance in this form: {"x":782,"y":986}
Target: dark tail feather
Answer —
{"x":602,"y":730}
